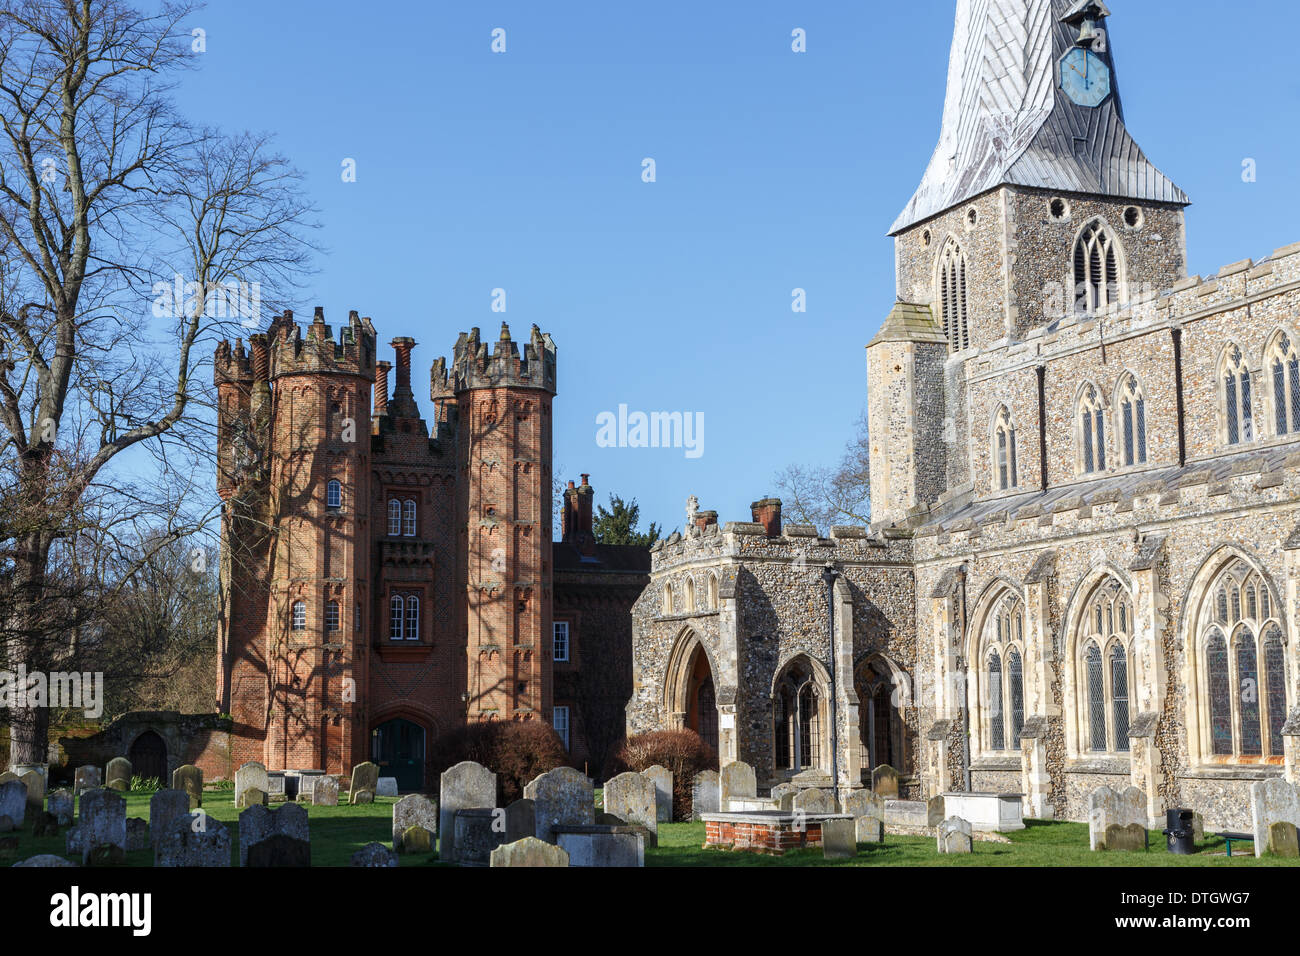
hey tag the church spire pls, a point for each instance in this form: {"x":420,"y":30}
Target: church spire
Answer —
{"x":1032,"y":101}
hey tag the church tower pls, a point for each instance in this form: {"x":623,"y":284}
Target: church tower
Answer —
{"x":1037,"y":204}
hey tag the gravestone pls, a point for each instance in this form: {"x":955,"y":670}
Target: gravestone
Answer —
{"x":365,"y":776}
{"x":415,"y":839}
{"x":477,"y":835}
{"x":521,"y":820}
{"x":736,"y":781}
{"x":704,"y":793}
{"x":165,"y":808}
{"x":279,"y":849}
{"x":137,"y":834}
{"x":1271,"y":801}
{"x":1283,"y":840}
{"x":35,"y":784}
{"x":72,"y":841}
{"x":783,"y":795}
{"x":466,"y":786}
{"x":251,"y":776}
{"x":13,"y":801}
{"x":359,"y":797}
{"x":529,"y":851}
{"x":60,"y":804}
{"x":387,"y":787}
{"x":193,"y":839}
{"x":45,"y":859}
{"x":662,"y":778}
{"x":814,"y":802}
{"x":189,"y":779}
{"x":1128,"y":837}
{"x":884,"y":781}
{"x":325,"y":791}
{"x":86,"y":778}
{"x":7,"y":777}
{"x":934,"y":810}
{"x":102,"y":822}
{"x":252,"y":797}
{"x":276,"y":789}
{"x":955,"y":836}
{"x":868,"y":812}
{"x":414,"y":809}
{"x":374,"y":855}
{"x":634,"y":798}
{"x":1107,"y":808}
{"x":118,"y":774}
{"x":839,"y":839}
{"x":1198,"y":827}
{"x":561,"y":797}
{"x":257,"y":824}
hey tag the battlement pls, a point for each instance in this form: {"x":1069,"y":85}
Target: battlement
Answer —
{"x":292,"y":353}
{"x":474,"y":367}
{"x":232,"y":365}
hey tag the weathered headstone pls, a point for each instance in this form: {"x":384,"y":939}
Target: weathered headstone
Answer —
{"x":521,"y":820}
{"x":478,"y":832}
{"x":137,"y":834}
{"x":466,"y":786}
{"x":884,"y":781}
{"x":325,"y":791}
{"x":1107,"y":808}
{"x":189,"y":778}
{"x":633,"y":798}
{"x":117,"y":775}
{"x":529,"y":851}
{"x":414,"y":809}
{"x":279,"y":849}
{"x":561,"y":797}
{"x":1271,"y":801}
{"x":663,"y":781}
{"x":868,"y":811}
{"x":35,"y":784}
{"x":86,"y":778}
{"x":257,"y":824}
{"x":1283,"y":840}
{"x":359,"y":797}
{"x":783,"y":795}
{"x":814,"y":802}
{"x":252,"y":797}
{"x":374,"y":855}
{"x":704,"y":793}
{"x":935,"y":809}
{"x":365,"y":776}
{"x":60,"y":803}
{"x":7,"y":777}
{"x":839,"y":839}
{"x":102,"y":821}
{"x":72,"y":841}
{"x":736,"y":781}
{"x":251,"y":776}
{"x":194,"y":839}
{"x":415,"y":839}
{"x":13,"y":801}
{"x":955,"y":836}
{"x":45,"y":859}
{"x":165,"y":808}
{"x":1129,"y":837}
{"x":387,"y":787}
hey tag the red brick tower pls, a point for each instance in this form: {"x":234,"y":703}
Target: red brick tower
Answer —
{"x":503,"y":416}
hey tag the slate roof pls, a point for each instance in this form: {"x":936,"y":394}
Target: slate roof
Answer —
{"x":609,"y":557}
{"x":1006,"y":122}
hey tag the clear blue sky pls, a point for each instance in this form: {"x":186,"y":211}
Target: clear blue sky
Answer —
{"x":775,"y":170}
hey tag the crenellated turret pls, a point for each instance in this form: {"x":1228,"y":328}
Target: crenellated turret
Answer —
{"x":473,"y":366}
{"x":292,"y":353}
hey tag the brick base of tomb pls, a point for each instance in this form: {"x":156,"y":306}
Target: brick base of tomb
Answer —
{"x":765,"y":832}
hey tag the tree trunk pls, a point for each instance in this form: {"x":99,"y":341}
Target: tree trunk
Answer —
{"x":29,"y":647}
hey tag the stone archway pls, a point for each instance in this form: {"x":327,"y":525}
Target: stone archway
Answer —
{"x":148,"y":756}
{"x":690,"y":692}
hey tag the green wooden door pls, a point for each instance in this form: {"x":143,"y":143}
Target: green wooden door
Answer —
{"x":399,"y":751}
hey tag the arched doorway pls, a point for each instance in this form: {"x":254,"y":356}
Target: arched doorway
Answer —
{"x":397,"y":746}
{"x":690,"y":692}
{"x":881,"y":723}
{"x":148,"y":756}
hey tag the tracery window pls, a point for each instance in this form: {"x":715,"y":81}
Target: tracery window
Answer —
{"x":1004,"y":687}
{"x":1004,"y":450}
{"x":1283,"y":365}
{"x":1104,"y":670}
{"x":797,"y":719}
{"x":1091,"y":419}
{"x":1098,"y":279}
{"x":1238,"y":416}
{"x":952,"y":297}
{"x":1133,"y":421}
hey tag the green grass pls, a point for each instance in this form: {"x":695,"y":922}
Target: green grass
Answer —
{"x":1039,"y":844}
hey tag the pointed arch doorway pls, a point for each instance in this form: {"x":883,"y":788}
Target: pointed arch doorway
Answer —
{"x":692,"y":700}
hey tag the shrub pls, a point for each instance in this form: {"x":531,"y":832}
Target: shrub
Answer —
{"x":683,"y":752}
{"x":516,"y":751}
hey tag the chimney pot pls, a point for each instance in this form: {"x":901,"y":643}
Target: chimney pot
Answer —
{"x":767,"y":512}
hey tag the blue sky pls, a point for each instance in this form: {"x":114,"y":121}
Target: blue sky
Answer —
{"x":775,"y":170}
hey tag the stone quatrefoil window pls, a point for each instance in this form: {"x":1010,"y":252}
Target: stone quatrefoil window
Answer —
{"x":1244,"y":679}
{"x":952,"y":297}
{"x":1098,"y":270}
{"x":1004,"y":451}
{"x":1238,"y":418}
{"x":1091,"y":420}
{"x":1132,"y":406}
{"x":1283,"y":366}
{"x":1103,"y":670}
{"x":1004,"y":675}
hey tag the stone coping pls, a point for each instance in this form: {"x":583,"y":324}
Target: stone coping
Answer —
{"x":597,"y":829}
{"x":773,"y":817}
{"x":982,"y":793}
{"x":1259,"y":772}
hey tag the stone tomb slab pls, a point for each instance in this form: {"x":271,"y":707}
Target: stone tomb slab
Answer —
{"x":634,"y":799}
{"x":87,"y":778}
{"x":478,"y":833}
{"x":955,"y":836}
{"x":602,"y":846}
{"x":166,"y":807}
{"x":529,"y":851}
{"x":102,"y":822}
{"x":13,"y":801}
{"x":736,"y":781}
{"x":257,"y":823}
{"x":117,"y":775}
{"x":987,"y":812}
{"x":189,"y":779}
{"x":325,"y":791}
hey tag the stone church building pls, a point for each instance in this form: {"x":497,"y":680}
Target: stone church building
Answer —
{"x":1085,"y":470}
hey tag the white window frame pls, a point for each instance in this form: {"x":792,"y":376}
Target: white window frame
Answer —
{"x":408,"y":518}
{"x":412,"y":617}
{"x":333,"y":616}
{"x":394,"y":517}
{"x":396,"y":617}
{"x":560,"y":641}
{"x":560,"y":721}
{"x":298,"y":616}
{"x":334,"y":494}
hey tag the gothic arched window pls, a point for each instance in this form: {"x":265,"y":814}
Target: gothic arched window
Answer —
{"x":1283,"y":365}
{"x":1004,"y":688}
{"x":396,"y":615}
{"x":412,"y":618}
{"x":713,"y":592}
{"x":690,"y":595}
{"x":334,"y":494}
{"x":668,"y":598}
{"x":797,"y":718}
{"x":1102,"y":671}
{"x":952,"y":297}
{"x":1098,"y":268}
{"x":1004,"y":450}
{"x":1238,"y":417}
{"x":1091,"y":418}
{"x":1133,"y":421}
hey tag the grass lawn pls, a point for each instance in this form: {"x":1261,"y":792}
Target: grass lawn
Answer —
{"x":338,"y":832}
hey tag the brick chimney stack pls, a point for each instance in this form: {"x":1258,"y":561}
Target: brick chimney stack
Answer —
{"x":381,"y":387}
{"x":767,"y":512}
{"x":402,"y":404}
{"x":261,"y":357}
{"x":577,"y":517}
{"x":703,"y":519}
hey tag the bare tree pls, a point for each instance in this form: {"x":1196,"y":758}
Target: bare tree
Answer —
{"x":121,"y":233}
{"x":831,"y":495}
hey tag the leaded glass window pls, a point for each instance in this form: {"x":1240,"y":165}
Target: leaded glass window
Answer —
{"x":1133,"y":422}
{"x":1003,"y":685}
{"x":997,"y":737}
{"x":1285,"y":365}
{"x":1119,"y":695}
{"x":1216,"y":654}
{"x":1237,"y":399}
{"x":1275,"y":688}
{"x":1092,"y":432}
{"x":1004,"y":450}
{"x":1016,"y":681}
{"x":1104,"y":679}
{"x":1096,"y":700}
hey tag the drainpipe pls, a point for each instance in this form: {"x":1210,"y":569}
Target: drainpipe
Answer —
{"x":964,"y":664}
{"x":829,"y":574}
{"x":1178,"y":394}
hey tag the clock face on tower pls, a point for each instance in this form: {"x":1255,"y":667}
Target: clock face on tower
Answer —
{"x":1085,"y":77}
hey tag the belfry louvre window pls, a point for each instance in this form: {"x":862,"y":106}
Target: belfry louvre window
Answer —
{"x":1092,"y":432}
{"x":952,"y":297}
{"x":1098,"y":282}
{"x":1284,"y":366}
{"x":1133,"y":421}
{"x":1004,"y":450}
{"x":1238,"y":416}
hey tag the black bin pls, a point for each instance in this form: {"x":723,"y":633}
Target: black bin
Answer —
{"x":1180,"y":830}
